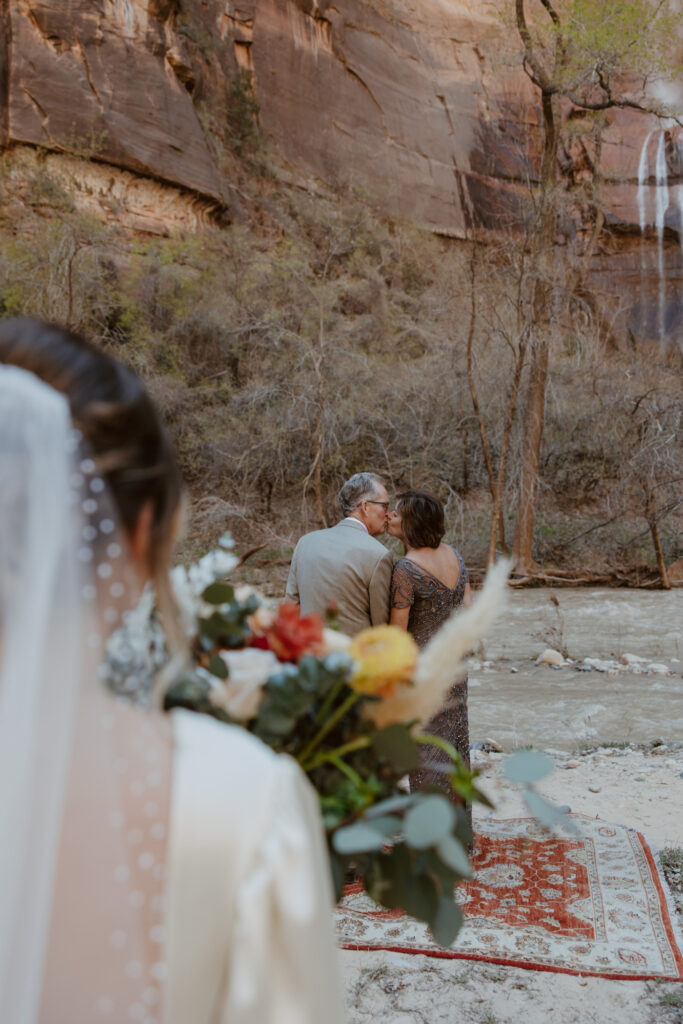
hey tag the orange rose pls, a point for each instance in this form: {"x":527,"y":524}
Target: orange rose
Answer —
{"x":291,"y":635}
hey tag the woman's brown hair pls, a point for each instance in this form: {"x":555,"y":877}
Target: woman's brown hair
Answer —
{"x":110,"y":407}
{"x":422,"y":518}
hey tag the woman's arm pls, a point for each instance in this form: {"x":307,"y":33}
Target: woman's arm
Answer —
{"x":402,"y":596}
{"x":467,"y":598}
{"x":399,"y":617}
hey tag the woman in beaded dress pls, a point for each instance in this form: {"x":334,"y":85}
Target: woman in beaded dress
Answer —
{"x":428,"y":583}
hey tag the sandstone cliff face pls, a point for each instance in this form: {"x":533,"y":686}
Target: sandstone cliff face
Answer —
{"x":96,"y":76}
{"x":407,"y":100}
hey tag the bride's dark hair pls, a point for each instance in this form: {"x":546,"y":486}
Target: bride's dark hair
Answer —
{"x":111,"y":408}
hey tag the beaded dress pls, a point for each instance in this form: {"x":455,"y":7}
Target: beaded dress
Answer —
{"x":431,"y":602}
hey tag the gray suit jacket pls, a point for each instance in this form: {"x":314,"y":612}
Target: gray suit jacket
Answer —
{"x":345,"y":565}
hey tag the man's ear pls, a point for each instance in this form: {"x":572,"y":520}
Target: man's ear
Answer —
{"x":140,"y":535}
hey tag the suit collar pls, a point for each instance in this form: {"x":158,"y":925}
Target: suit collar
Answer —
{"x":356,"y":523}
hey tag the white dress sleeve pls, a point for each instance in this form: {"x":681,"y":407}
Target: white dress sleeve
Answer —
{"x":284,"y":968}
{"x":249,"y":915}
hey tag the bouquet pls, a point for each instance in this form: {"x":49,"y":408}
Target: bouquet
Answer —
{"x":348,"y":710}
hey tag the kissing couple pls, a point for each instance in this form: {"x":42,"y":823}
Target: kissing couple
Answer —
{"x":347,"y":567}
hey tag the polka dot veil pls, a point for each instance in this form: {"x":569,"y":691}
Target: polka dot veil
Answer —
{"x":84,"y":778}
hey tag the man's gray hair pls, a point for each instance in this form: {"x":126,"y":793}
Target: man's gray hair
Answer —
{"x":360,"y":487}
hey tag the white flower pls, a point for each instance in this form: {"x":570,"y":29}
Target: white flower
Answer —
{"x":262,"y":619}
{"x":240,"y":694}
{"x":333,"y":640}
{"x":211,"y":567}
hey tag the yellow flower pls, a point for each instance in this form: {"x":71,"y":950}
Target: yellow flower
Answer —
{"x":385,"y":657}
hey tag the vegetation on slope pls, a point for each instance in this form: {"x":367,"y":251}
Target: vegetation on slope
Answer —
{"x":318,"y":337}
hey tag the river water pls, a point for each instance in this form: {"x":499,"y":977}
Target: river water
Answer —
{"x":516,"y":702}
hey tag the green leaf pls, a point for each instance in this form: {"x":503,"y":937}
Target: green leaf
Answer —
{"x":273,"y":722}
{"x":420,"y":898}
{"x":395,"y":745}
{"x":548,"y":814}
{"x":214,"y":627}
{"x":357,"y":838}
{"x":527,"y":766}
{"x":218,"y":593}
{"x":448,"y":921}
{"x":428,"y":822}
{"x":338,"y":869}
{"x":217,"y":667}
{"x":463,"y":830}
{"x":393,"y":803}
{"x":453,"y":853}
{"x":387,"y":825}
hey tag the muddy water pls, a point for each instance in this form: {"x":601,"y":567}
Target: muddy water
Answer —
{"x":565,"y":708}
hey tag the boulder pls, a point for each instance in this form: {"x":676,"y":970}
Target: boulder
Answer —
{"x":552,"y":658}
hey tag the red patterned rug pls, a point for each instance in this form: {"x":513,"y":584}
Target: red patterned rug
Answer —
{"x":595,"y":905}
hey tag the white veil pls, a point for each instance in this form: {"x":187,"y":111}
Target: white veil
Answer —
{"x":83,"y":780}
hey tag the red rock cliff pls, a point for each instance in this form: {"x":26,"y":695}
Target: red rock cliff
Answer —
{"x":405,"y":99}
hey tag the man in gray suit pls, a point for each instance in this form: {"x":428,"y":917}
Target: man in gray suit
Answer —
{"x":344,"y":564}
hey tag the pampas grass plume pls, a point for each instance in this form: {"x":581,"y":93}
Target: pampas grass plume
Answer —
{"x":441,"y":663}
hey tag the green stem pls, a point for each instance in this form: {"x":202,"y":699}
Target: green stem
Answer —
{"x":348,"y":748}
{"x":329,"y":701}
{"x":329,"y":724}
{"x":347,"y":770}
{"x":437,"y":741}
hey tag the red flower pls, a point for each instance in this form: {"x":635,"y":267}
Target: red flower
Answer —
{"x":292,"y":635}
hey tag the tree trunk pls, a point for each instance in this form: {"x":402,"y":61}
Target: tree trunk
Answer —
{"x":534,"y":418}
{"x":656,"y":541}
{"x":522,"y":548}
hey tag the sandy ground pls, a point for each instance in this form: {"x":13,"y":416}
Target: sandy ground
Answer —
{"x":568,"y":714}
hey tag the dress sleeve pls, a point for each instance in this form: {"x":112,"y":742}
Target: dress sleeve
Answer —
{"x":402,"y":594}
{"x":284,"y":967}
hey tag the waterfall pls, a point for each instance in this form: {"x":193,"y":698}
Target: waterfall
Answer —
{"x":643,"y":175}
{"x":661,"y":203}
{"x":662,"y":194}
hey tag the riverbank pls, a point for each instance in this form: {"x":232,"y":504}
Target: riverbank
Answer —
{"x":616,"y":738}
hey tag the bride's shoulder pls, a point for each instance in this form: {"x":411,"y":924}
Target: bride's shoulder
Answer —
{"x":223,"y":774}
{"x":208,"y":740}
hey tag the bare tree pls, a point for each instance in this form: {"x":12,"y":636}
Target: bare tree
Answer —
{"x":581,"y":54}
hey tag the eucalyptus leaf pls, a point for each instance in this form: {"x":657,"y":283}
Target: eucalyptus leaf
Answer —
{"x":542,"y":809}
{"x":387,"y":824}
{"x":548,"y":814}
{"x":428,"y":822}
{"x":527,"y":766}
{"x":393,"y":803}
{"x":217,"y":667}
{"x":448,"y":921}
{"x":453,"y":853}
{"x":357,"y":838}
{"x":272,"y":721}
{"x":420,"y":898}
{"x":215,"y":626}
{"x":395,"y":745}
{"x":218,"y":593}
